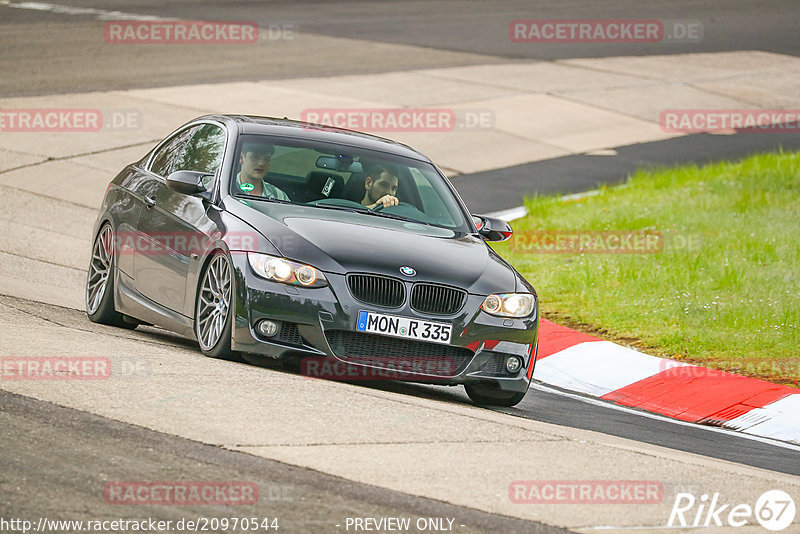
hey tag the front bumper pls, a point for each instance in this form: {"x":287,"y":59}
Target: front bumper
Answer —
{"x":321,"y":323}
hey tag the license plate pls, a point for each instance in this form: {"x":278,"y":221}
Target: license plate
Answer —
{"x":405,"y":327}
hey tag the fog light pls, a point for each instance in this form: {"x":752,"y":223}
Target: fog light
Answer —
{"x":513,"y":364}
{"x":268,"y":328}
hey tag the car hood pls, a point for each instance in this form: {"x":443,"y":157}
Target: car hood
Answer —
{"x":343,"y":242}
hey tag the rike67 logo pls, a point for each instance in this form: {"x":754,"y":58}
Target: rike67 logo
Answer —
{"x":774,"y":510}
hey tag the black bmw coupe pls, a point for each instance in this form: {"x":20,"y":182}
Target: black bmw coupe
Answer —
{"x":297,"y":241}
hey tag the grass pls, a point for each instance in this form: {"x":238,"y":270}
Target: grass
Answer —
{"x":724,"y":291}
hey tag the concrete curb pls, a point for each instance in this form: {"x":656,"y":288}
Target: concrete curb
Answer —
{"x":586,"y":364}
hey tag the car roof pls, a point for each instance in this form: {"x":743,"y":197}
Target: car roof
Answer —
{"x":251,"y":124}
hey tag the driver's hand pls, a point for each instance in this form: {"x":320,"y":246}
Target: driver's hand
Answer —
{"x":386,"y":200}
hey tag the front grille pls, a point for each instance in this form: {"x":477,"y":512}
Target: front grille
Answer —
{"x":377,"y":290}
{"x":436,"y":299}
{"x":399,"y":354}
{"x":289,"y":334}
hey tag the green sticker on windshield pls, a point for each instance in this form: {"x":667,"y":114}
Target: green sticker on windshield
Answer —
{"x":247,"y":187}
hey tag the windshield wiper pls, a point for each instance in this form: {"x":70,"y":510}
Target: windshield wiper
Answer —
{"x":367,"y":211}
{"x":339,"y":208}
{"x":397,"y":217}
{"x":268,"y":199}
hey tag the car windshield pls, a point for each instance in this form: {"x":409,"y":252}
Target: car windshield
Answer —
{"x":332,"y":176}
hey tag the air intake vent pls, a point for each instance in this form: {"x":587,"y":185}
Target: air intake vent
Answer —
{"x":289,"y":334}
{"x":435,"y":299}
{"x":399,"y":354}
{"x":377,"y":290}
{"x":495,"y":365}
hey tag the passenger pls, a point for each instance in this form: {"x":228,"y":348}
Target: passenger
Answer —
{"x":380,"y":187}
{"x":251,"y":180}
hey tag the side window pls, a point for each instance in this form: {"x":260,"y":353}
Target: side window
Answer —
{"x":165,"y":158}
{"x":204,"y":150}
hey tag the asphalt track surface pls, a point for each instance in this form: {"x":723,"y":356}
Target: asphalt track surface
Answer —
{"x":583,"y":172}
{"x":540,"y":404}
{"x":41,"y":52}
{"x":47,"y":449}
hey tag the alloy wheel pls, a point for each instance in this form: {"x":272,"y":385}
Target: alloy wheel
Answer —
{"x":214,"y":302}
{"x":99,"y":270}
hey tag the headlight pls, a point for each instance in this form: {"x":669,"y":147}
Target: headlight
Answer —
{"x":509,"y":304}
{"x":285,"y":271}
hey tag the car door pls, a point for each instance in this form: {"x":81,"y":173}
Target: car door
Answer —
{"x":173,"y":224}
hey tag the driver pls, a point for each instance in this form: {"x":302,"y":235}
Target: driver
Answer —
{"x":255,"y":159}
{"x":380,"y":187}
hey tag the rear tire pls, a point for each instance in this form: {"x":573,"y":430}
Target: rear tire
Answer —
{"x":213,"y":313}
{"x":99,"y":299}
{"x":488,"y":396}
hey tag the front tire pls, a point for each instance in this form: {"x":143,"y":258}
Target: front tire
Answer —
{"x":100,"y":283}
{"x":489,"y":396}
{"x":213,"y":313}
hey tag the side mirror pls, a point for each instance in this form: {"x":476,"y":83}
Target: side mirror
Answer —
{"x":187,"y":182}
{"x":492,"y":229}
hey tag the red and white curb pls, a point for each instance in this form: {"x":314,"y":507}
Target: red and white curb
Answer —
{"x":579,"y":362}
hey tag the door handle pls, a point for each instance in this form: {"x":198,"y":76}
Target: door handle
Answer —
{"x":149,"y":201}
